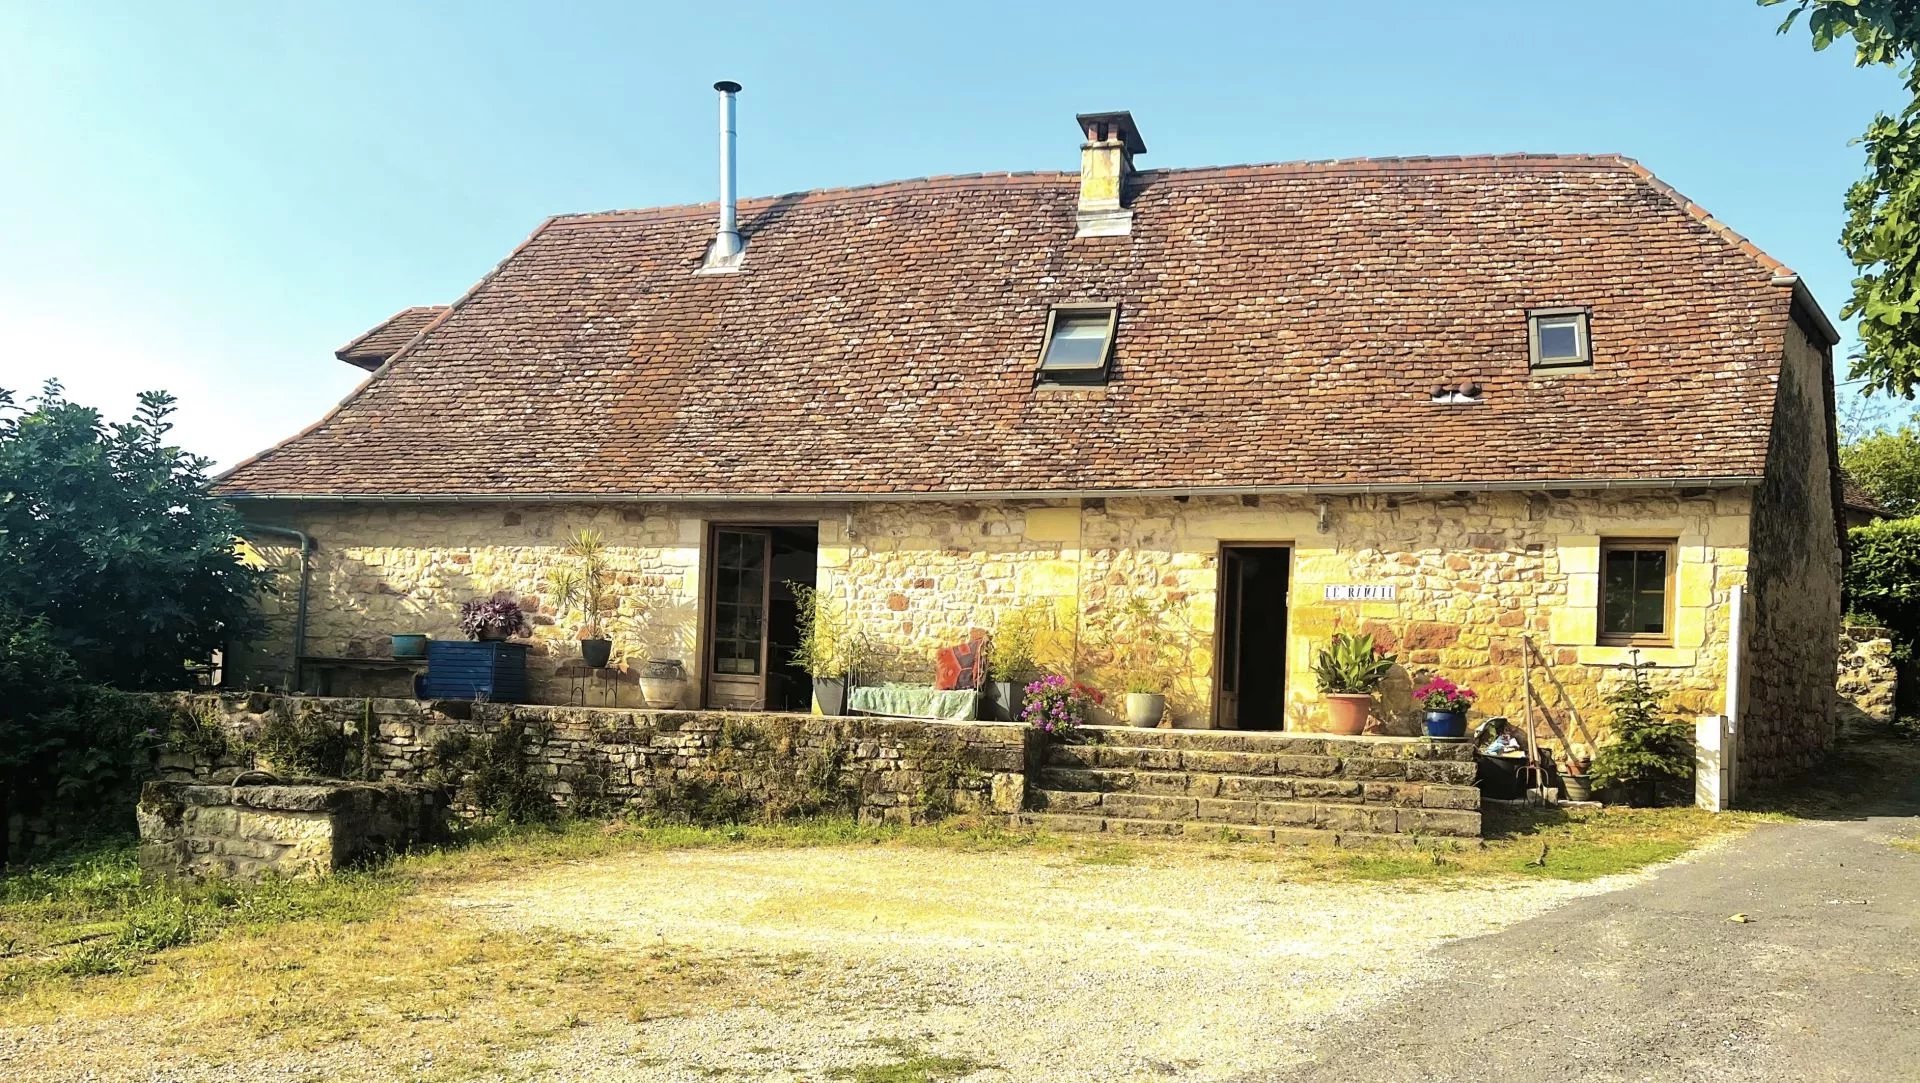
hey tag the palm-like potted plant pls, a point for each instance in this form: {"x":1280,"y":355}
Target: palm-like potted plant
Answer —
{"x":828,"y":650}
{"x":587,"y":590}
{"x":1348,"y":670}
{"x":1012,"y":662}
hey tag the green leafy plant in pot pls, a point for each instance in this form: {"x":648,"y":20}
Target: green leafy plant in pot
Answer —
{"x":1348,"y":670}
{"x":829,"y":649}
{"x":587,"y":590}
{"x":1013,"y":662}
{"x":1645,"y":751}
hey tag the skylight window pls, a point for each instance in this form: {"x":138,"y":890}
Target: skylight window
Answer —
{"x":1079,"y":344}
{"x":1557,"y":338}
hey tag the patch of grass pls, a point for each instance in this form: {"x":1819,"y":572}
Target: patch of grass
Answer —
{"x":1912,"y":845}
{"x":914,"y":1066}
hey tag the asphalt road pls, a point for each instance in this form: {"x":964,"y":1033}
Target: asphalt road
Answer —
{"x":1655,"y":983}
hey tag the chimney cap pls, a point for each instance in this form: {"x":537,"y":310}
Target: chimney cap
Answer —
{"x":1122,"y":124}
{"x":727,"y":86}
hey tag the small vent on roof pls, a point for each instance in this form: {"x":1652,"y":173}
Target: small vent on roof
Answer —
{"x":1464,"y":394}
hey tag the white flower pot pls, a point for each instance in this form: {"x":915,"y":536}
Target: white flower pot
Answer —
{"x":1145,"y":708}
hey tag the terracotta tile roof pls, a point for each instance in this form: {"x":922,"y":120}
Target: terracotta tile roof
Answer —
{"x":1280,"y":325}
{"x":1855,"y":497}
{"x":372,"y":348}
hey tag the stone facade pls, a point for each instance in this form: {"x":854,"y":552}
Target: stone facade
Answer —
{"x":1475,"y":578}
{"x":1788,"y":718}
{"x":1868,"y":681}
{"x":596,"y":759}
{"x":197,"y":830}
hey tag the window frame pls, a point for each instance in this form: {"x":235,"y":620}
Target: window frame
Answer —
{"x":1608,"y":546}
{"x":1583,"y":336}
{"x":1094,"y":375}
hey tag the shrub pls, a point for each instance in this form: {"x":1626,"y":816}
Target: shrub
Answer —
{"x":67,"y":747}
{"x":495,"y":617}
{"x":1057,"y":706}
{"x":1644,"y":747}
{"x":1883,"y":575}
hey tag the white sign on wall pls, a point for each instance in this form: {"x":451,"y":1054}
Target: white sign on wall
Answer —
{"x":1360,"y":592}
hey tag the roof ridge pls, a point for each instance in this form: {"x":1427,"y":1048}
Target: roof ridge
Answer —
{"x":1400,"y":164}
{"x":346,"y":350}
{"x":1705,"y":218}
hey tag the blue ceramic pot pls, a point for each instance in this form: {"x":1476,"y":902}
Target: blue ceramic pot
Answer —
{"x":409,"y":645}
{"x":1446,"y":724}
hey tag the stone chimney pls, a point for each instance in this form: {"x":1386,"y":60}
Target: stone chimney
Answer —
{"x":1106,"y":168}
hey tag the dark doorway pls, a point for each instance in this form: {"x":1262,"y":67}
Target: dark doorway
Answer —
{"x":752,"y":617}
{"x":1252,"y":691}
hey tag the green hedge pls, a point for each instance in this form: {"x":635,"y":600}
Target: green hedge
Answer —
{"x":1883,"y":575}
{"x":71,"y":751}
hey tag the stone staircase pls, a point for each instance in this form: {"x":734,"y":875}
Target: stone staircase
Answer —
{"x":1258,"y":786}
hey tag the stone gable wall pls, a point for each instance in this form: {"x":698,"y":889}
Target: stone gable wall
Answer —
{"x":1794,"y":619}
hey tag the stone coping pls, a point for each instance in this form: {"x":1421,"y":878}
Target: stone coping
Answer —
{"x":1283,"y":736}
{"x":399,"y":705}
{"x":302,"y":796}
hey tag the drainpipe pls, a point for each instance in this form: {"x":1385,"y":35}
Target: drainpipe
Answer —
{"x":300,"y":607}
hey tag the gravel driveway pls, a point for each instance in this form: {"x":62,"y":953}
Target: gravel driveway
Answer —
{"x":1027,"y":966}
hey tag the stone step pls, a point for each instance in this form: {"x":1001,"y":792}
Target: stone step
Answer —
{"x":1203,"y":784}
{"x":1339,"y":816}
{"x":1354,"y":764}
{"x":1082,"y":824}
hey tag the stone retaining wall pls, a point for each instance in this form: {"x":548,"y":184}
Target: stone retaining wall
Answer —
{"x":1868,"y":680}
{"x":195,"y":829}
{"x":697,"y":762}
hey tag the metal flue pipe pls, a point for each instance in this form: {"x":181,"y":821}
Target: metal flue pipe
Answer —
{"x":727,"y":244}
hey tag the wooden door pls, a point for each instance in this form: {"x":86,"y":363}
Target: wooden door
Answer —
{"x":738,"y":593}
{"x":1227,"y":663}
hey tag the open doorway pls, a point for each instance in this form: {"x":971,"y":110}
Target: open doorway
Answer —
{"x":1252,"y":681}
{"x":752,"y":617}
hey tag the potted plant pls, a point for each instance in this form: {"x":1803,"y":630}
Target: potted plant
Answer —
{"x":587,"y":590}
{"x":493,"y":620}
{"x":1644,"y":750}
{"x":1011,"y":663}
{"x":490,"y":668}
{"x":1058,"y":707}
{"x":1145,"y":639}
{"x":828,"y":650}
{"x":1446,"y":706}
{"x":1348,"y":670}
{"x":1576,"y":766}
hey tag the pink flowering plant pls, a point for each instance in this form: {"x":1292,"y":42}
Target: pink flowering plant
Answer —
{"x":1057,"y":706}
{"x":1440,"y":694}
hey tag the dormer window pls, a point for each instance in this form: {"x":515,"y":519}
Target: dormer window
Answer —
{"x":1557,"y":339}
{"x":1079,"y":345}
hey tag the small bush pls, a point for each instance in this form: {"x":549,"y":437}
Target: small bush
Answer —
{"x":1883,"y":575}
{"x":492,"y":773}
{"x":1644,"y":747}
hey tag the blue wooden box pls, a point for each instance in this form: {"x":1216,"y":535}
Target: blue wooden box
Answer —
{"x":491,"y":671}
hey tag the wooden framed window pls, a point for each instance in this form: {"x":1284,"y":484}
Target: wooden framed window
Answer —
{"x":1078,"y":346}
{"x":1557,"y":339}
{"x":1636,"y":592}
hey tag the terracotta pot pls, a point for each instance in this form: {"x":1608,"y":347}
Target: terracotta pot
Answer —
{"x":1347,"y":712}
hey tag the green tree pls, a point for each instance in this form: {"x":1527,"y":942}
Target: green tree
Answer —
{"x":1887,"y":464}
{"x":1882,"y":232}
{"x":113,"y":539}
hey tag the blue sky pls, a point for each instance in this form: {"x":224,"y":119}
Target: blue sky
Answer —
{"x":209,"y":198}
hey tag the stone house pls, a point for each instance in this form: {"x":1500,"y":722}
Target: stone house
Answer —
{"x":1520,"y":412}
